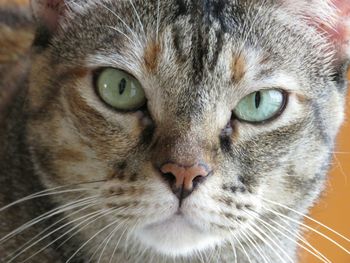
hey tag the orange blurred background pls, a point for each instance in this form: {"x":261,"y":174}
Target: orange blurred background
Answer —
{"x":333,"y":209}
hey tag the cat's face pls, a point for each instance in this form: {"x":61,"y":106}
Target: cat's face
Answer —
{"x":195,"y":64}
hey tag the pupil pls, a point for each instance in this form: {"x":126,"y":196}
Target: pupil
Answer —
{"x":122,"y":86}
{"x":257,"y":99}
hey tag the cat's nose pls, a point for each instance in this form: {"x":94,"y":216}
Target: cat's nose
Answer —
{"x":183,"y":179}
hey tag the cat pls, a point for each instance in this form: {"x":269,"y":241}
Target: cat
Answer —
{"x":171,"y":131}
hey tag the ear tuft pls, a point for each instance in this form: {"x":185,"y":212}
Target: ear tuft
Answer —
{"x":48,"y":12}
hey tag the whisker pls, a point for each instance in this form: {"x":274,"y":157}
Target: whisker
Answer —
{"x":200,"y":256}
{"x":211,"y":256}
{"x":42,"y":193}
{"x":247,"y":237}
{"x":257,"y":233}
{"x":301,"y":238}
{"x":106,"y":241}
{"x":340,"y":167}
{"x":240,"y":244}
{"x":45,"y":216}
{"x":34,"y":196}
{"x":296,"y":236}
{"x":91,"y":215}
{"x":86,"y":242}
{"x":288,"y":237}
{"x":49,"y":227}
{"x":110,"y":236}
{"x":235,"y":253}
{"x":123,"y":22}
{"x":79,"y":229}
{"x":116,"y":246}
{"x":308,"y":217}
{"x":310,"y":228}
{"x":138,"y":17}
{"x":120,"y":32}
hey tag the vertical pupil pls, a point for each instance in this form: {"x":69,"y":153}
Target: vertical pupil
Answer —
{"x":257,"y":99}
{"x":122,"y":86}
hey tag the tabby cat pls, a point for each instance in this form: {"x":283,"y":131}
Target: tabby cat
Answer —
{"x":171,"y":131}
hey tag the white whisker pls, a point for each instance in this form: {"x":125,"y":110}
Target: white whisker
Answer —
{"x":49,"y":227}
{"x":258,"y":233}
{"x":250,"y":240}
{"x":138,"y":17}
{"x":91,"y":215}
{"x":288,"y":237}
{"x":91,"y":238}
{"x":47,"y":215}
{"x":308,"y":217}
{"x":301,"y":238}
{"x":123,"y":22}
{"x":42,"y":194}
{"x":241,"y":246}
{"x":120,"y":32}
{"x":116,"y":246}
{"x":310,"y":228}
{"x":110,"y":236}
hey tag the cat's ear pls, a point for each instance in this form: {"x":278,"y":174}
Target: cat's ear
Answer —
{"x":48,"y":13}
{"x":330,"y":17}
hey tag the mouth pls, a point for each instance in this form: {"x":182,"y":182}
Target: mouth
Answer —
{"x":177,"y":219}
{"x":176,"y":235}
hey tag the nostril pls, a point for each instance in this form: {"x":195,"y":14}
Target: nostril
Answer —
{"x":169,"y":177}
{"x":198,"y":180}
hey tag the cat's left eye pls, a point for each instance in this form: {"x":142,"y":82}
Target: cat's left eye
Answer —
{"x":120,"y":90}
{"x":261,"y":106}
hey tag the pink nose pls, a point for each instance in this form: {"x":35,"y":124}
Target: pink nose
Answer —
{"x":182,"y":179}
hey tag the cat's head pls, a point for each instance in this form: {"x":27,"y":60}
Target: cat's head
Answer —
{"x":192,"y":118}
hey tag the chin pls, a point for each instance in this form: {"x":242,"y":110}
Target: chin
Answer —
{"x":176,"y":237}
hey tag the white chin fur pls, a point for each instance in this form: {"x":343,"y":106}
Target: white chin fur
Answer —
{"x":175,"y":236}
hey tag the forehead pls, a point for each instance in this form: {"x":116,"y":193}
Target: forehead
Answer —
{"x":197,"y":32}
{"x":195,"y":50}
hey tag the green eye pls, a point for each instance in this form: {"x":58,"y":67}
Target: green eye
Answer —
{"x":120,"y":90}
{"x":261,"y":106}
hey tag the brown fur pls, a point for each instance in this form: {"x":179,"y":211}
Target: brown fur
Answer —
{"x":151,"y":56}
{"x":238,"y":68}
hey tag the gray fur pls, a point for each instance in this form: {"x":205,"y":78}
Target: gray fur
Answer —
{"x":191,"y":96}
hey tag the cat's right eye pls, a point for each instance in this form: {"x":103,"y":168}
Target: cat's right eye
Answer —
{"x":120,"y":90}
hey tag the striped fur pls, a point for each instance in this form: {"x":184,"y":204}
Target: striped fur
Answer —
{"x":195,"y":60}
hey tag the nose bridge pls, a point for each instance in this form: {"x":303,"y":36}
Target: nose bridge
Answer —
{"x":178,"y":145}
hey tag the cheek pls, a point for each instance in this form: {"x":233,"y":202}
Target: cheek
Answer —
{"x":60,"y":155}
{"x":269,"y":160}
{"x":299,"y":174}
{"x":68,"y":150}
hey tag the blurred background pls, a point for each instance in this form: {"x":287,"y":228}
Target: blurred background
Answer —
{"x":333,"y":209}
